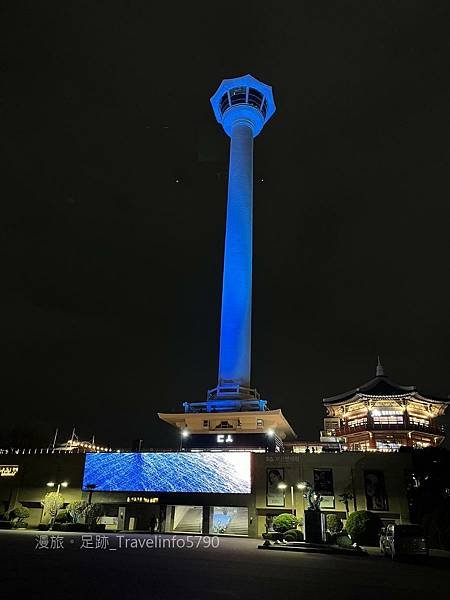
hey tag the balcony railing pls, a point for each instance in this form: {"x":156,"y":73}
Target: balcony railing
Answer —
{"x":347,"y":429}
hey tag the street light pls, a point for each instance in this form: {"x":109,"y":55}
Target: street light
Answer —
{"x":184,"y":435}
{"x":61,"y":484}
{"x":284,"y":486}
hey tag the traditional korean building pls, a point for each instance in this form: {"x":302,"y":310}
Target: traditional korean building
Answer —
{"x":383,"y":415}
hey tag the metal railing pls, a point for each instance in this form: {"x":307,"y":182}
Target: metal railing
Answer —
{"x":347,"y":429}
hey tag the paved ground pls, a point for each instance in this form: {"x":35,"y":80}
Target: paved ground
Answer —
{"x":235,"y":569}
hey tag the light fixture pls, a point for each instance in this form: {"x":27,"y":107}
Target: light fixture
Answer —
{"x":64,"y":483}
{"x":302,"y":485}
{"x":270,"y":432}
{"x":282,"y":486}
{"x":50,"y":484}
{"x":184,"y":433}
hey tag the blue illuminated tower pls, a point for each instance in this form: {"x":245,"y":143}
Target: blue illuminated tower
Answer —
{"x":242,"y":106}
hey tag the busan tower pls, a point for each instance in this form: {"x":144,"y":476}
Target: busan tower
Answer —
{"x":242,"y":106}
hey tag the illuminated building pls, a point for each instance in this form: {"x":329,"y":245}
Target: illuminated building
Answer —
{"x":383,"y":415}
{"x":242,"y":106}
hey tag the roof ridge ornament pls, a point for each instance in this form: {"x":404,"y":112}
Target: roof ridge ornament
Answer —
{"x":380,"y":370}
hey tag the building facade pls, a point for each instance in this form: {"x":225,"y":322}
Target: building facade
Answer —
{"x":383,"y":415}
{"x":374,"y":481}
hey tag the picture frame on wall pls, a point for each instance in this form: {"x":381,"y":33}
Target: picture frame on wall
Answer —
{"x":274,"y":496}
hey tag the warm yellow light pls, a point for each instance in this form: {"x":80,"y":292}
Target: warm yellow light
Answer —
{"x":185,"y":433}
{"x":51,"y":484}
{"x":64,"y":483}
{"x":282,"y":486}
{"x":301,"y":486}
{"x":270,"y":432}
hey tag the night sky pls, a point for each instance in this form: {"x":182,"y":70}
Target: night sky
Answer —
{"x":114,"y":195}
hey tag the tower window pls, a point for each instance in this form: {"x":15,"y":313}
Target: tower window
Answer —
{"x":254,"y":98}
{"x":237,"y":95}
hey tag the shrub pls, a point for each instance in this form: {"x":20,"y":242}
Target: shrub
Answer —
{"x":285,"y":521}
{"x":76,"y":510}
{"x":21,"y":525}
{"x":19,"y":514}
{"x":293,"y":535}
{"x":334,"y":523}
{"x":63,"y":516}
{"x":343,"y":541}
{"x":364,"y":527}
{"x":92,"y":514}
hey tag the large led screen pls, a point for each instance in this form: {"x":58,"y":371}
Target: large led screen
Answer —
{"x":204,"y":472}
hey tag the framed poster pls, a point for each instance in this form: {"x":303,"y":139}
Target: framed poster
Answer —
{"x":275,"y":496}
{"x":376,"y":497}
{"x":323,"y":485}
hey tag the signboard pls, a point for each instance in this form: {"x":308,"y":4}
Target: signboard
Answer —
{"x":229,"y":440}
{"x":275,"y":496}
{"x":193,"y":472}
{"x":323,"y":485}
{"x":8,"y":470}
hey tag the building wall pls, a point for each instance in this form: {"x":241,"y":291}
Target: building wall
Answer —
{"x":29,"y":485}
{"x":348,"y":468}
{"x":348,"y":471}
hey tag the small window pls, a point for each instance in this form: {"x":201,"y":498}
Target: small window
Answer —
{"x":205,"y":423}
{"x":237,"y":95}
{"x":259,"y":423}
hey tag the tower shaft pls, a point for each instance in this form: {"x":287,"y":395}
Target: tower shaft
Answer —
{"x":235,"y":329}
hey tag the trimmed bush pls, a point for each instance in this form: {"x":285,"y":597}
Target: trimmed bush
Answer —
{"x":19,"y":514}
{"x":334,"y":523}
{"x":285,"y":521}
{"x":364,"y":527}
{"x":343,"y":541}
{"x":293,"y":535}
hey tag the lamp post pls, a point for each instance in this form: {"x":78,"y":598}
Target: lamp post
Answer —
{"x":284,"y":486}
{"x":91,"y":487}
{"x":63,"y":484}
{"x":59,"y":485}
{"x":184,"y":435}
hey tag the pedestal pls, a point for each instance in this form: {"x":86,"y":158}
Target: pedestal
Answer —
{"x":314,"y":527}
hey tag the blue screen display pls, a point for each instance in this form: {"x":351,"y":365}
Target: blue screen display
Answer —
{"x":194,"y":472}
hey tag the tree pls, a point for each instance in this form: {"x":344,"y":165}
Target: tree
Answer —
{"x":345,"y":497}
{"x":51,"y":503}
{"x":364,"y":527}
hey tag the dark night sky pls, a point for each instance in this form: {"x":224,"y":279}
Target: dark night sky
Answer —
{"x":112,"y":270}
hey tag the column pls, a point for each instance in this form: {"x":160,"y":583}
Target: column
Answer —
{"x":235,"y":330}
